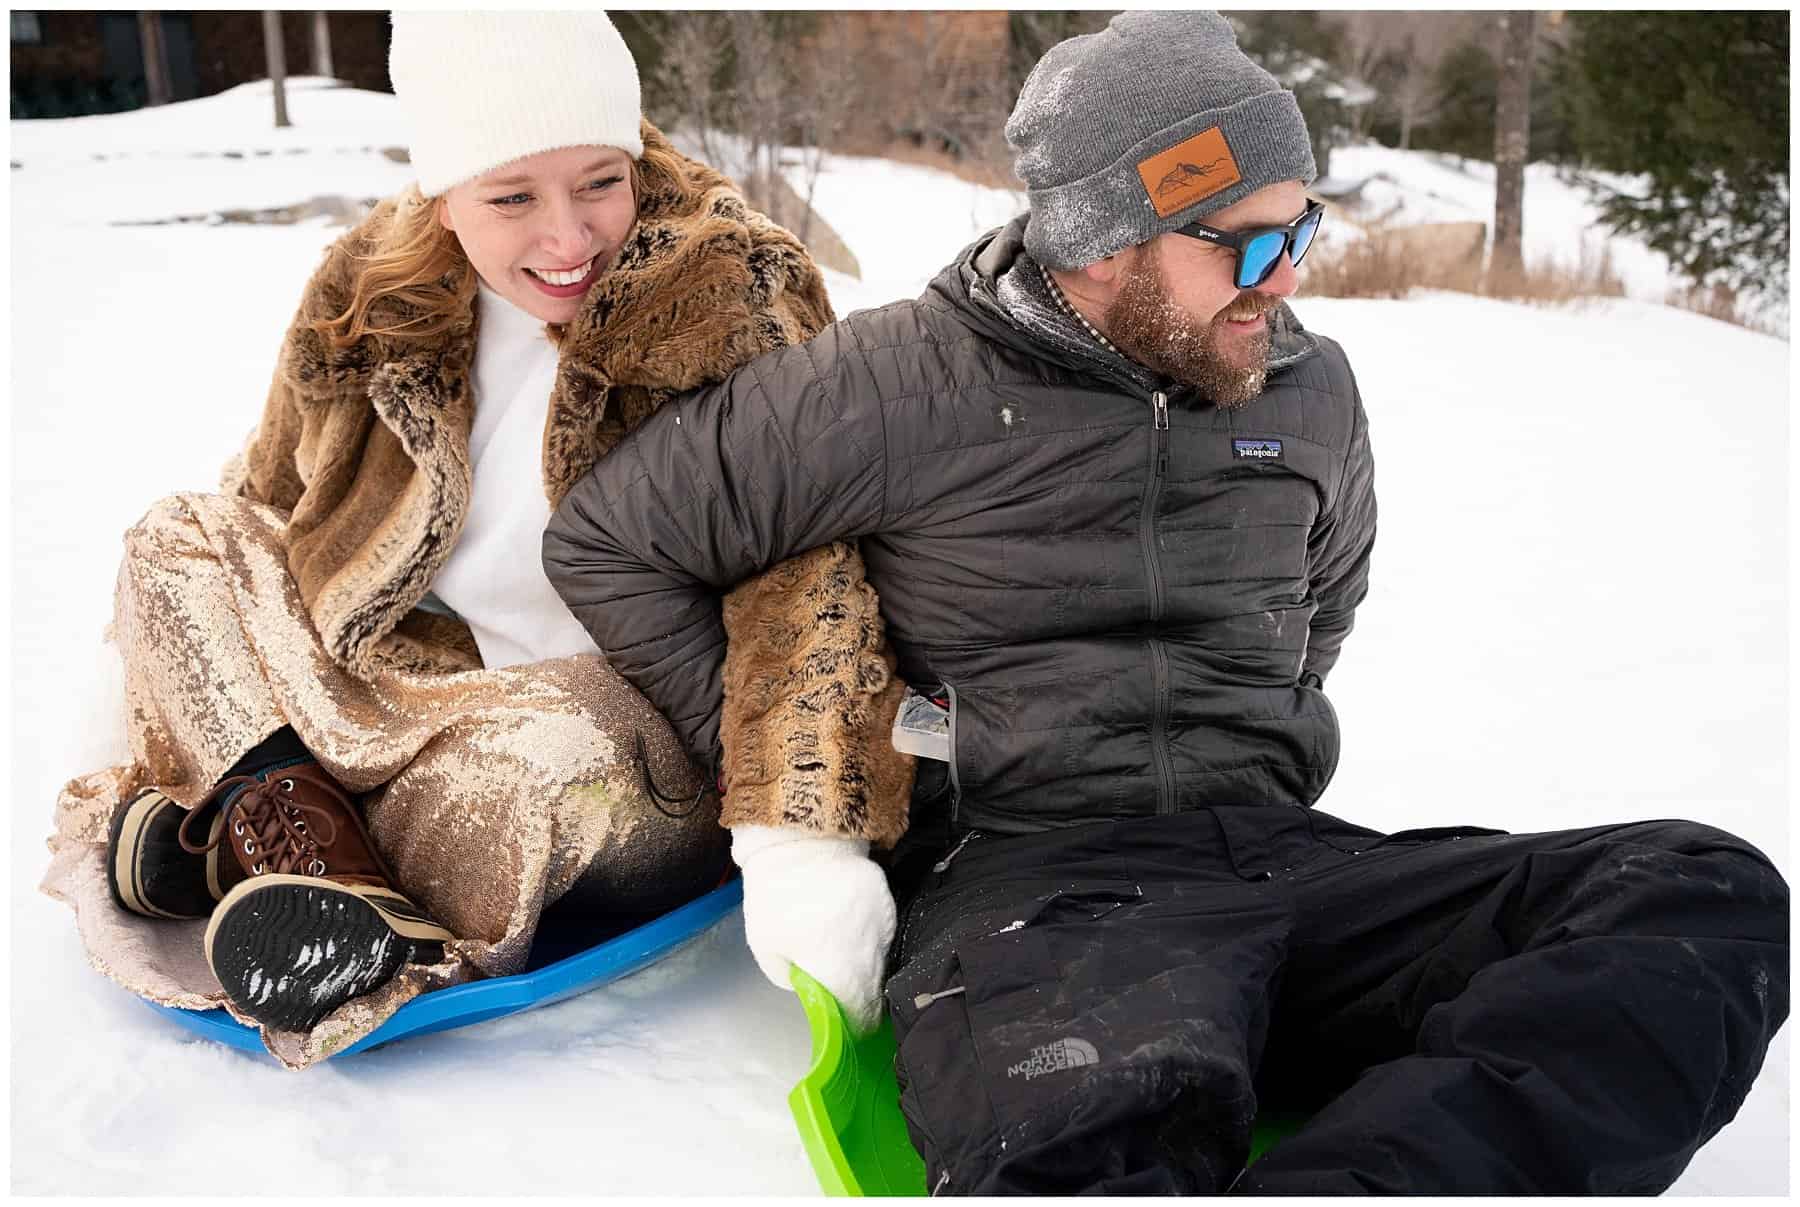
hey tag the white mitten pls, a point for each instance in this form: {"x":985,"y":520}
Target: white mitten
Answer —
{"x":817,"y":901}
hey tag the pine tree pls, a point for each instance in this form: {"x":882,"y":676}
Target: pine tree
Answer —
{"x":1468,"y":85}
{"x":1697,"y":102}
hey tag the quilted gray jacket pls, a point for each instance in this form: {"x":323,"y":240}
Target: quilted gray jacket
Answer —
{"x":1131,"y":597}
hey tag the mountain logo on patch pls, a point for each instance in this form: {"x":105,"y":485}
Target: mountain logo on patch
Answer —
{"x":1183,"y":172}
{"x":1189,"y":172}
{"x":1256,"y":450}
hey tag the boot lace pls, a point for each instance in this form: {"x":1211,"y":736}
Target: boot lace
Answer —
{"x":272,"y":825}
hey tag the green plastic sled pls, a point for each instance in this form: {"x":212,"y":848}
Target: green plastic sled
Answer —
{"x":847,"y":1107}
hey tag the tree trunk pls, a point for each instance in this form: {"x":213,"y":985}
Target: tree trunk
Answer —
{"x":321,"y":39}
{"x":156,"y":59}
{"x":1512,"y":140}
{"x":277,"y":52}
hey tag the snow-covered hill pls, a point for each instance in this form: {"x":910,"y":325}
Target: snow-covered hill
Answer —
{"x":1579,"y":614}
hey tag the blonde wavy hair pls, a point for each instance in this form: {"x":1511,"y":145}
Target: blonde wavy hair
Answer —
{"x":416,"y":283}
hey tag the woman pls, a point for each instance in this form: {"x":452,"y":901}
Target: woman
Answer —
{"x":363,"y":611}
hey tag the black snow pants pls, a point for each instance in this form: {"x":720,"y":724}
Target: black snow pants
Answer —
{"x":1102,"y":1009}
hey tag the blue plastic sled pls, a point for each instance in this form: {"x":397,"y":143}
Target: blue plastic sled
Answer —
{"x":478,"y":1001}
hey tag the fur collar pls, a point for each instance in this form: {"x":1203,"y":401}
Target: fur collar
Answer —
{"x":702,"y":284}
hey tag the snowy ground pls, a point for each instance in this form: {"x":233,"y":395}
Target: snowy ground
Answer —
{"x":1578,"y":615}
{"x":1561,"y":221}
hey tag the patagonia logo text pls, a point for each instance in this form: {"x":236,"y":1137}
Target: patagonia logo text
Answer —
{"x":1054,"y":1057}
{"x":1256,"y":450}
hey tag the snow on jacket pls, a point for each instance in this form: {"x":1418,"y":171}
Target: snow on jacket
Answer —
{"x":366,"y":448}
{"x":1131,"y":598}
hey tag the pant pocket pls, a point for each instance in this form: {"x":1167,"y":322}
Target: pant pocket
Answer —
{"x":1124,"y":1041}
{"x":971,"y":974}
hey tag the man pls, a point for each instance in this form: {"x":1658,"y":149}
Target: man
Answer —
{"x":1117,"y":506}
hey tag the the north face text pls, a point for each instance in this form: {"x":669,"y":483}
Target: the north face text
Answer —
{"x":1054,"y":1058}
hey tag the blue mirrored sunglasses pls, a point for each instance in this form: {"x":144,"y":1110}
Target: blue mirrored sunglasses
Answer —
{"x":1259,"y":248}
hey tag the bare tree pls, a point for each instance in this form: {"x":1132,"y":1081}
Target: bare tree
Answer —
{"x":321,"y":45}
{"x":1512,"y":139}
{"x":716,"y":71}
{"x":276,"y":51}
{"x":945,"y":81}
{"x":763,"y":102}
{"x":828,"y":91}
{"x":156,"y":59}
{"x":1415,"y":95}
{"x":686,"y":80}
{"x":1362,"y":53}
{"x":761,"y":95}
{"x":1398,"y":52}
{"x":756,"y":90}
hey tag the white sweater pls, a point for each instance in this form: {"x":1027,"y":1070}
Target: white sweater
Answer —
{"x":494,"y":578}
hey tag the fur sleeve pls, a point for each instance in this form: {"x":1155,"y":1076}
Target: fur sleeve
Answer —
{"x":810,"y":698}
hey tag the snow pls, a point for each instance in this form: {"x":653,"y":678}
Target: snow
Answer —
{"x":1578,"y":615}
{"x":904,"y":222}
{"x":1561,"y":220}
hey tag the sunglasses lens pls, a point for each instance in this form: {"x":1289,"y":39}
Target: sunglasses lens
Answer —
{"x":1303,"y":235}
{"x":1258,"y":259}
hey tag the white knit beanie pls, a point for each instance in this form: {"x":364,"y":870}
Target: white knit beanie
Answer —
{"x":481,"y":89}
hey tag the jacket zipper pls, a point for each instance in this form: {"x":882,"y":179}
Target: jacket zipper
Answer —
{"x":1159,"y":658}
{"x":955,"y":780}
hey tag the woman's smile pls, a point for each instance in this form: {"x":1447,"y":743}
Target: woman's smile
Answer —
{"x":566,"y":283}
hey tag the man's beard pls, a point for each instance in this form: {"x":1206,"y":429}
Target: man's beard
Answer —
{"x":1145,"y":324}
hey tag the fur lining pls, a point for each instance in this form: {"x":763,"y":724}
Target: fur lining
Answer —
{"x":426,"y":643}
{"x":417,"y":400}
{"x":810,"y":698}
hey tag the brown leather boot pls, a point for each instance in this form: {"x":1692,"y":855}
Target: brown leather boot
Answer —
{"x":310,"y":917}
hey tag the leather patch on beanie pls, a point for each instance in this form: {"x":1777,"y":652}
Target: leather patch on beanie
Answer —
{"x":1189,"y":171}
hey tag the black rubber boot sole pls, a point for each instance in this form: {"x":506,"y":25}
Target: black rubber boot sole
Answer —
{"x":146,"y":868}
{"x":291,"y":949}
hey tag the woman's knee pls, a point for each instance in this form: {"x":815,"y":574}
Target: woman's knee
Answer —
{"x":648,"y":835}
{"x":151,"y":534}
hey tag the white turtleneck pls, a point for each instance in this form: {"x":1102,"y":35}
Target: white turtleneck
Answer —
{"x":494,"y":578}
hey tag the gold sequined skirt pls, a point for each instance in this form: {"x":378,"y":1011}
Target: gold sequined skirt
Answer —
{"x":491,"y":793}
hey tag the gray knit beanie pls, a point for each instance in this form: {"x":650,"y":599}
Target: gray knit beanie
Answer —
{"x":1152,"y":123}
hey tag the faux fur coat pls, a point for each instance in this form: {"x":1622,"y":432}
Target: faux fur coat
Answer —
{"x":367,"y":448}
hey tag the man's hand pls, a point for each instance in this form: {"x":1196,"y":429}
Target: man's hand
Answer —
{"x":817,"y":901}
